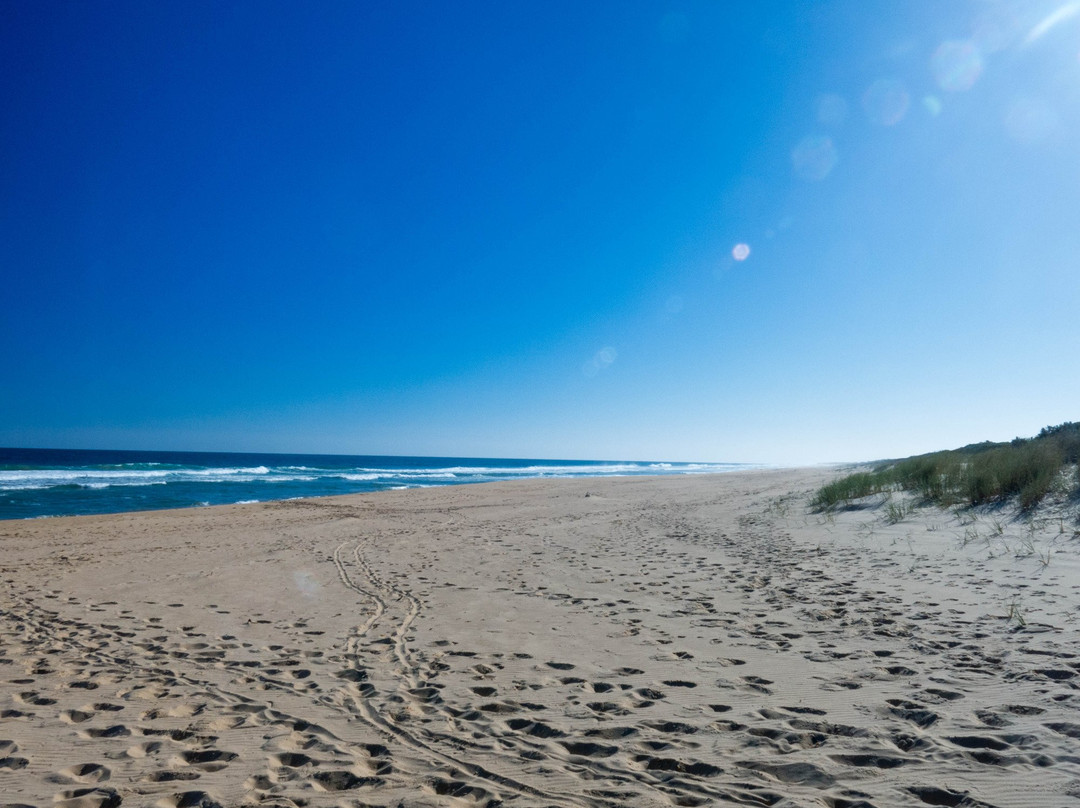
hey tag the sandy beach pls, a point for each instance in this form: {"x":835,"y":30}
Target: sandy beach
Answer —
{"x":678,"y":641}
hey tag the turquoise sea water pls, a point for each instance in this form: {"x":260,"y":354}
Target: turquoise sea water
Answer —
{"x":59,"y":482}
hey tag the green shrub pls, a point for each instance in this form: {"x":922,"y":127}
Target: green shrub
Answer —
{"x":983,"y":472}
{"x":1026,"y":471}
{"x":845,"y":489}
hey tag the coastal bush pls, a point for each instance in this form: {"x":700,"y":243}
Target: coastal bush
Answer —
{"x":845,"y":489}
{"x":933,"y":477}
{"x":1066,"y":437}
{"x":1026,"y":469}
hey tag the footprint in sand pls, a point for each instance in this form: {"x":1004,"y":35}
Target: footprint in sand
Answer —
{"x":870,"y":761}
{"x":168,"y":776}
{"x":1065,"y":728}
{"x":912,"y":711}
{"x":671,"y":727}
{"x":537,"y":729}
{"x":12,"y":762}
{"x":76,"y":716}
{"x":588,"y":749}
{"x":671,"y":765}
{"x":83,"y":773}
{"x":682,"y":683}
{"x":795,"y":773}
{"x":208,"y":760}
{"x":992,"y":719}
{"x":560,"y":666}
{"x":143,"y":750}
{"x":610,"y":708}
{"x":34,"y":698}
{"x":468,"y":795}
{"x":932,"y":795}
{"x":757,"y":684}
{"x":291,"y":760}
{"x":87,"y":798}
{"x":188,"y":799}
{"x":611,"y":733}
{"x":342,"y":780}
{"x":115,"y":731}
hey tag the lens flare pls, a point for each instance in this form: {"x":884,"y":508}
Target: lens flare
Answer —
{"x":306,"y":583}
{"x":957,"y":65}
{"x":602,"y":360}
{"x":740,"y":252}
{"x":1048,"y":23}
{"x":886,"y":102}
{"x":814,"y":157}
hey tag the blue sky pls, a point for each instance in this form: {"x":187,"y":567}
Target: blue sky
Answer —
{"x":783,"y":232}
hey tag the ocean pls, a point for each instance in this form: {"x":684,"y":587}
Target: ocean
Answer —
{"x":60,"y":482}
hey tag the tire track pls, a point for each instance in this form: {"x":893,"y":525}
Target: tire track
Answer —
{"x":612,"y":775}
{"x":370,"y":714}
{"x":134,"y":665}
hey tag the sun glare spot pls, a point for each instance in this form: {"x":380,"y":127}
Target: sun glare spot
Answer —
{"x":740,"y":252}
{"x":886,"y":102}
{"x":601,"y":360}
{"x":957,"y":65}
{"x":306,"y":583}
{"x":1052,"y":20}
{"x":932,"y":104}
{"x":814,"y":157}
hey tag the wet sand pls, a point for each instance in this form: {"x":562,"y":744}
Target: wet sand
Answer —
{"x":675,"y":641}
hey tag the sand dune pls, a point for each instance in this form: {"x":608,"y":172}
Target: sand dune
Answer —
{"x":582,"y":643}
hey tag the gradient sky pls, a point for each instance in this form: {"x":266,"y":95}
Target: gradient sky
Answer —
{"x":783,"y":232}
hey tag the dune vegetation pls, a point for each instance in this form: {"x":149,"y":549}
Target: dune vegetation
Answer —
{"x":1025,"y":470}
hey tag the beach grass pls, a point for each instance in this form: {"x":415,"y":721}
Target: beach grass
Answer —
{"x":1025,"y":469}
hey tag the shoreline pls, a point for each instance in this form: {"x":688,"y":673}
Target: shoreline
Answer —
{"x":403,"y":488}
{"x":37,"y":483}
{"x":647,"y":641}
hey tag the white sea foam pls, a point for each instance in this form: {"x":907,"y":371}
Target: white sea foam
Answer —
{"x":26,"y":492}
{"x":162,"y":474}
{"x":16,"y":479}
{"x":222,"y":471}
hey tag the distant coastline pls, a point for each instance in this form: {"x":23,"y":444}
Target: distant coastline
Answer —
{"x":70,"y":482}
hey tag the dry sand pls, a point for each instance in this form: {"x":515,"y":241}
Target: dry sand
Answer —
{"x":605,"y":642}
